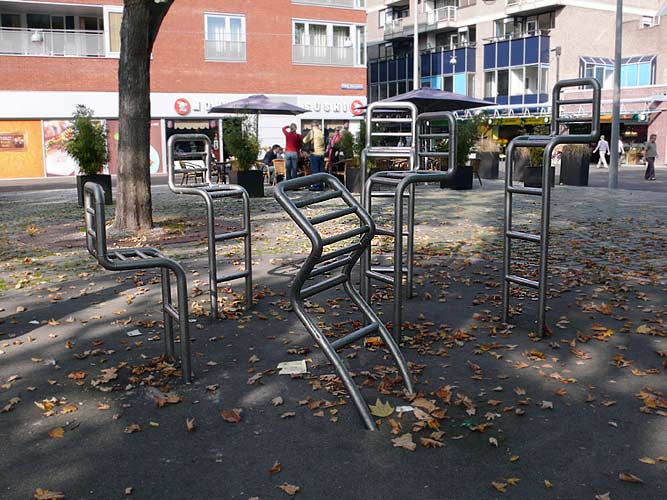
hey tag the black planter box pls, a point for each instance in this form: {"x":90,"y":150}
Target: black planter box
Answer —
{"x":353,"y":178}
{"x":574,"y":170}
{"x":521,"y":163}
{"x":488,"y":165}
{"x":104,"y":180}
{"x":533,"y":177}
{"x":462,"y":179}
{"x":251,"y":180}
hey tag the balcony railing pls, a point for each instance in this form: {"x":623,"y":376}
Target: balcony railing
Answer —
{"x":321,"y":55}
{"x":393,"y":26}
{"x":349,"y":4}
{"x":31,"y":42}
{"x":224,"y":50}
{"x":446,"y":14}
{"x":514,"y":36}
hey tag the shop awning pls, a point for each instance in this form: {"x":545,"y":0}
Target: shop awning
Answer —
{"x":196,"y":125}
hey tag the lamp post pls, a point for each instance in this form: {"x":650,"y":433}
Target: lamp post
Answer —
{"x":557,"y":51}
{"x":415,"y":46}
{"x":616,"y":109}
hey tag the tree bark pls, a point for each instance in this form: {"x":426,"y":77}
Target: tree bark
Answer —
{"x":140,"y":25}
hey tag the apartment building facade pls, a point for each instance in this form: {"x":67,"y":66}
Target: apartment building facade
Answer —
{"x":512,"y":52}
{"x":55,"y":55}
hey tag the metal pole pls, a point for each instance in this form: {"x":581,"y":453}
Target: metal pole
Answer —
{"x":415,"y":46}
{"x":616,"y":111}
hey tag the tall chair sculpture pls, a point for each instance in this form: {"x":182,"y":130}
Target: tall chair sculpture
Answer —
{"x":210,"y":192}
{"x":427,"y":133}
{"x":130,"y":259}
{"x":548,"y":142}
{"x":338,"y":264}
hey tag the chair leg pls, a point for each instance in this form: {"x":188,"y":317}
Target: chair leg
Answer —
{"x":168,"y":320}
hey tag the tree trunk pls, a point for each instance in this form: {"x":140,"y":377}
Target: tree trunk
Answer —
{"x":139,"y":28}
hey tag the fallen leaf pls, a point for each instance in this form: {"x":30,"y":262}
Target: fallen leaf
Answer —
{"x":648,"y":460}
{"x":430,"y":443}
{"x":603,"y":496}
{"x":57,"y":433}
{"x":277,"y":401}
{"x":290,"y":489}
{"x":629,"y":478}
{"x":405,"y":441}
{"x":232,"y":416}
{"x":128,"y":491}
{"x":493,"y":441}
{"x":132,"y":428}
{"x":276,"y":468}
{"x":77,"y":375}
{"x":548,"y":484}
{"x":513,"y":481}
{"x":501,"y":487}
{"x":190,"y":424}
{"x":547,"y":405}
{"x":380,"y":409}
{"x":69,"y":409}
{"x":41,"y":494}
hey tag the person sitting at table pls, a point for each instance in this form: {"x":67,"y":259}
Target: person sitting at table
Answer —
{"x":267,"y":161}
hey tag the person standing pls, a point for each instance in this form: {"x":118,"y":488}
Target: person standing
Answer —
{"x":603,"y":148}
{"x":316,"y":136}
{"x":334,"y":145}
{"x":621,"y":152}
{"x":293,"y":144}
{"x":650,"y":153}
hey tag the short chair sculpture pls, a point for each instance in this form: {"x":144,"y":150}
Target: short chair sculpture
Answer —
{"x":338,"y":264}
{"x":129,"y":259}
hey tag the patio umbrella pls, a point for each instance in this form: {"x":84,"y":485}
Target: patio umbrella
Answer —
{"x":258,"y":104}
{"x":429,"y":99}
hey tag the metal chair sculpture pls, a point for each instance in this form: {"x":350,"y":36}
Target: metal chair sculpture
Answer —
{"x":426,"y":135}
{"x":338,"y":263}
{"x":548,"y":142}
{"x":210,"y":192}
{"x":130,"y":259}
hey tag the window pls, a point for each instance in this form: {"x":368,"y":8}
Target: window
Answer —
{"x":225,"y":38}
{"x":328,"y":44}
{"x":649,"y":22}
{"x":114,"y":20}
{"x":490,"y":84}
{"x":635,"y":71}
{"x":382,"y":16}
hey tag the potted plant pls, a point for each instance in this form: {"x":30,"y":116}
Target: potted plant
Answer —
{"x":466,"y":136}
{"x":87,"y":144}
{"x":488,"y":152}
{"x":520,"y":163}
{"x":243,"y":144}
{"x":575,"y":161}
{"x":533,"y":174}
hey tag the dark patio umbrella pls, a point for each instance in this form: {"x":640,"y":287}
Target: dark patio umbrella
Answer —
{"x":258,"y":104}
{"x":428,"y":99}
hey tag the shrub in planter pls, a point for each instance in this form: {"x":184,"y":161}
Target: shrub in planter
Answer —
{"x":466,"y":137}
{"x":488,"y":152}
{"x":533,"y":174}
{"x":87,"y":144}
{"x":574,"y":164}
{"x":521,"y":163}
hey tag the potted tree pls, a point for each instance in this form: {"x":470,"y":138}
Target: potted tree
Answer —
{"x":87,"y":144}
{"x":488,"y":152}
{"x":575,"y":161}
{"x":533,"y":174}
{"x":521,"y":163}
{"x":465,"y":139}
{"x":244,"y":146}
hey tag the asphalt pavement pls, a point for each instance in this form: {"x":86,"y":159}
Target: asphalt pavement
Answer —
{"x":89,"y":410}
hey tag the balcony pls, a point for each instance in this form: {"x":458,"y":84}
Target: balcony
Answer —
{"x":323,"y":55}
{"x":515,"y":36}
{"x":443,"y":14}
{"x":64,"y":43}
{"x":346,"y":4}
{"x":521,"y":6}
{"x":224,"y":50}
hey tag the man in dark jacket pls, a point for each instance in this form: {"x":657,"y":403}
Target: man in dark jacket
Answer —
{"x":267,"y":161}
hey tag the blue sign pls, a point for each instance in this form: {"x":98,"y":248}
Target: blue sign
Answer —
{"x":352,"y":86}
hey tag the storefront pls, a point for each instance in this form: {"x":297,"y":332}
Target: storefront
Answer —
{"x":34,"y":125}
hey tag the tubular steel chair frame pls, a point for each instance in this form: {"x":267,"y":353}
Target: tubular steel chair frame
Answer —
{"x":130,"y":259}
{"x":339,"y":263}
{"x":403,"y":184}
{"x":210,"y":192}
{"x":548,"y":143}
